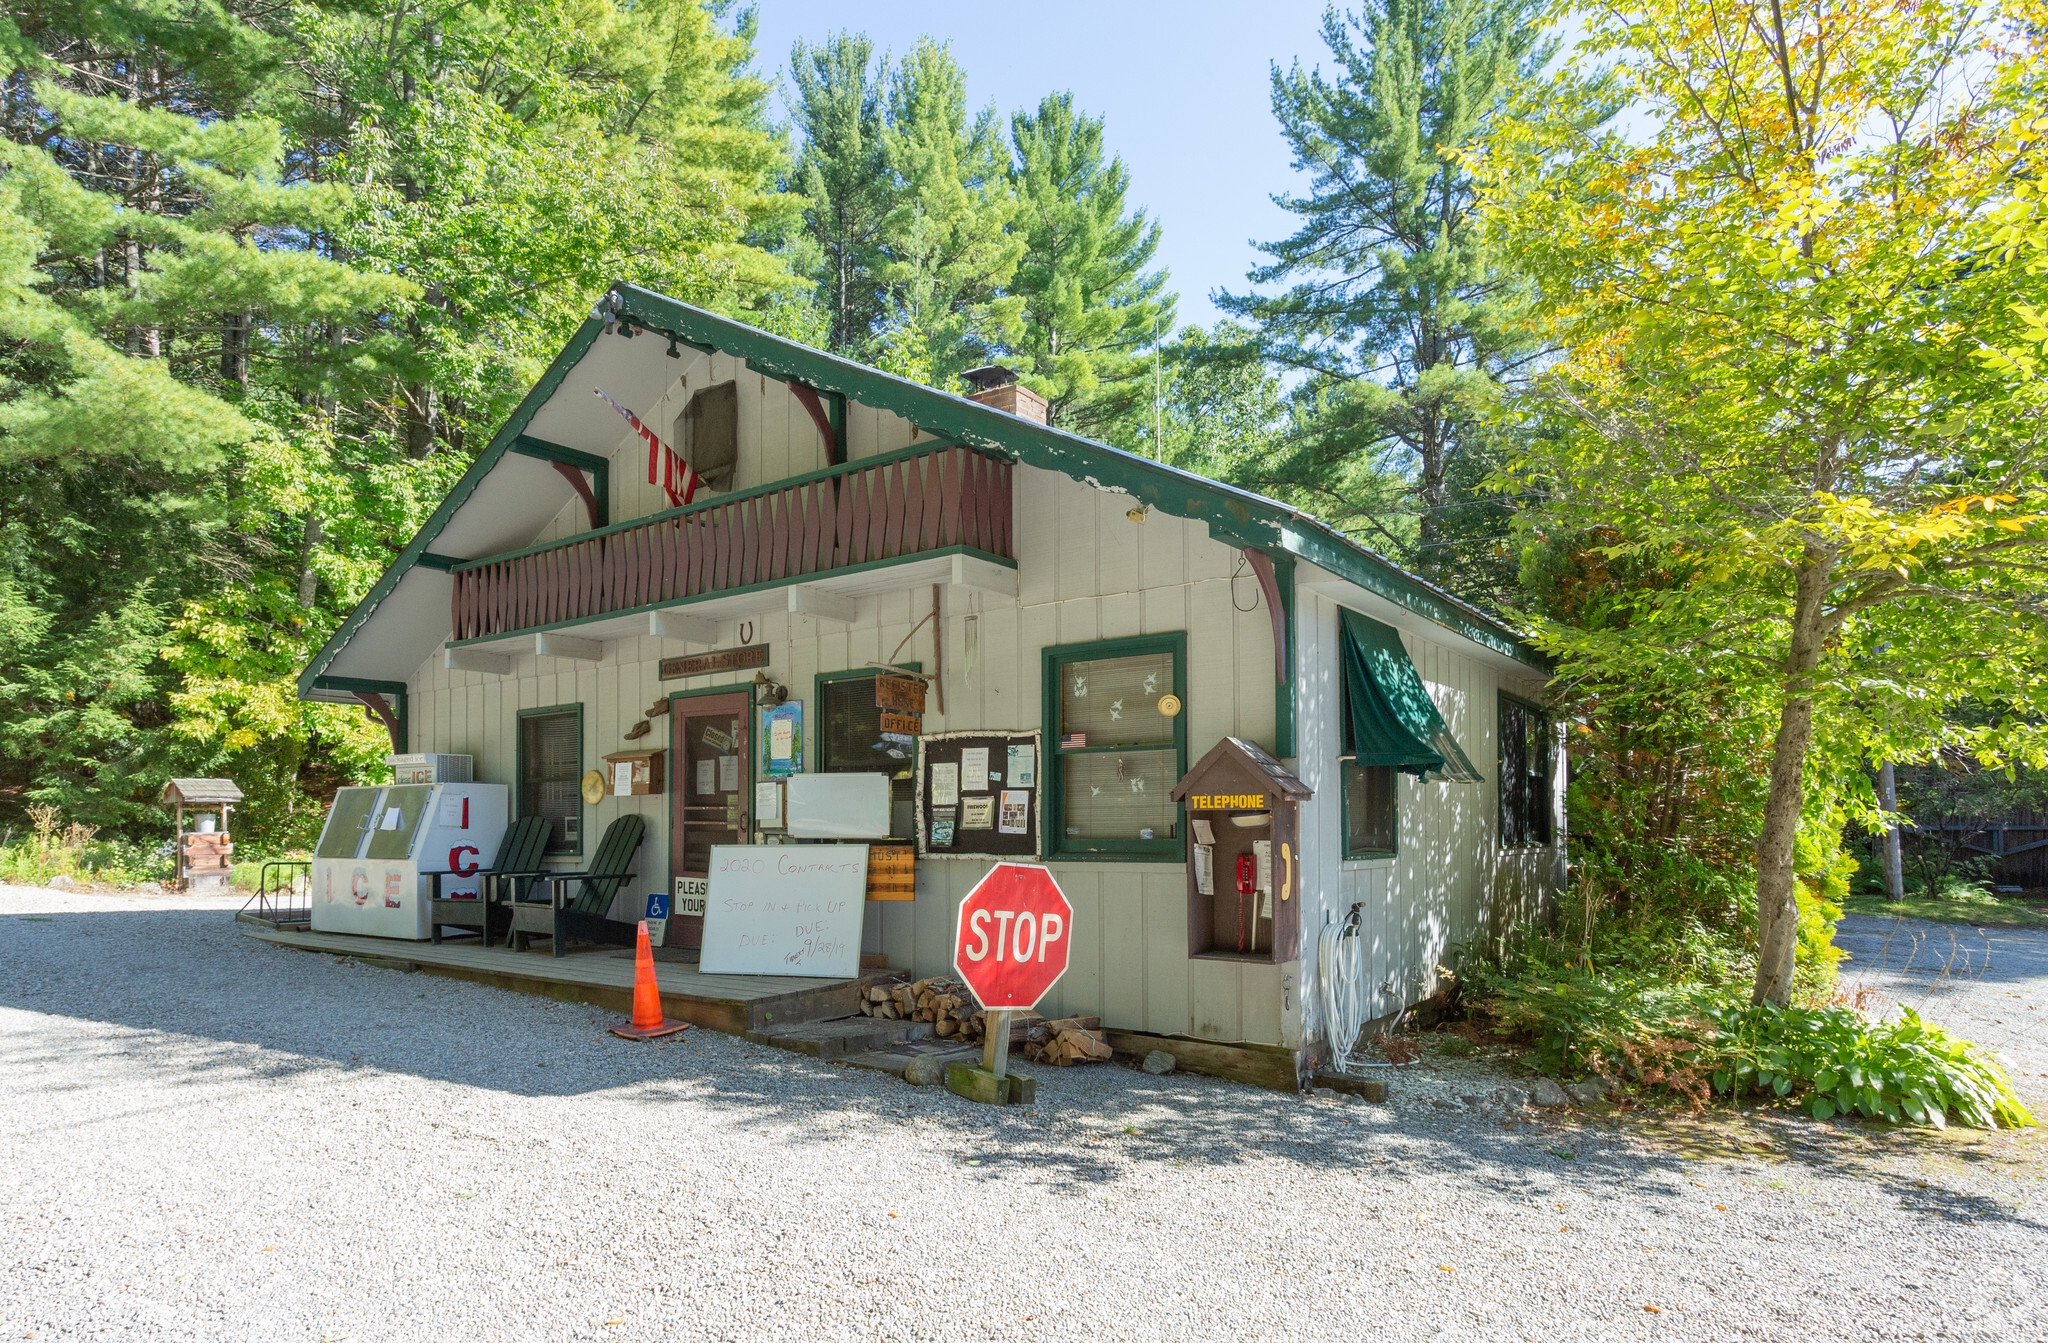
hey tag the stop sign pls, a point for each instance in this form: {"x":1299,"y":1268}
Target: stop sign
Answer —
{"x":1011,"y":936}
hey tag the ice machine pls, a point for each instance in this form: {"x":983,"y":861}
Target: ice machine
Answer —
{"x":373,"y":868}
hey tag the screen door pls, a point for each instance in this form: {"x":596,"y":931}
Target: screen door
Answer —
{"x":711,"y":745}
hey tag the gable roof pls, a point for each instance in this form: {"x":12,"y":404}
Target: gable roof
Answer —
{"x":417,"y":584}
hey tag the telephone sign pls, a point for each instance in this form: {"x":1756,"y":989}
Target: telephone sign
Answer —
{"x":1011,"y":936}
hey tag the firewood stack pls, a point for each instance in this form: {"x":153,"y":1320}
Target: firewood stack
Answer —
{"x":945,"y":1003}
{"x":1066,"y":1042}
{"x":949,"y":1007}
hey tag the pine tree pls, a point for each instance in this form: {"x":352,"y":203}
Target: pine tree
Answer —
{"x":842,"y":176}
{"x":1091,"y":309}
{"x":1400,"y":315}
{"x":951,"y":252}
{"x":154,"y":310}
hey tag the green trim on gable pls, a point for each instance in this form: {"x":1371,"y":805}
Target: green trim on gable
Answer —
{"x":1233,"y":516}
{"x":529,"y":406}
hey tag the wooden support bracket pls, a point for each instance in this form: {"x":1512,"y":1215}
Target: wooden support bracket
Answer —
{"x":682,"y":628}
{"x":563,"y":646}
{"x":477,"y":660}
{"x":979,"y":575}
{"x":578,"y":482}
{"x":805,"y":600}
{"x":1269,"y":585}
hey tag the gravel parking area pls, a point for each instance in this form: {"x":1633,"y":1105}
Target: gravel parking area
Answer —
{"x":1988,"y":984}
{"x":206,"y":1137}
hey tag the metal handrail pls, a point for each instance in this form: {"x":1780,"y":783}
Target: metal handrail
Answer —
{"x":278,"y":898}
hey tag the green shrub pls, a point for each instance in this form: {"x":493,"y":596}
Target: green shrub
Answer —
{"x":1897,"y":1070}
{"x":1699,"y":1042}
{"x":52,"y":848}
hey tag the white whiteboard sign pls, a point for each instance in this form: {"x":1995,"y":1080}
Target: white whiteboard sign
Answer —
{"x":785,"y":909}
{"x":839,"y":806}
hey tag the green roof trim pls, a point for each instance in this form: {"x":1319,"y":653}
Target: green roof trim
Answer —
{"x":1234,"y":516}
{"x":529,"y":406}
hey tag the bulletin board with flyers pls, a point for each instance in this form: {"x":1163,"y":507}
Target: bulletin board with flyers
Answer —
{"x":980,"y":795}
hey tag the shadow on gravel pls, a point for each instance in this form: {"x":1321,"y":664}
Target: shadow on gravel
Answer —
{"x":213,"y":1008}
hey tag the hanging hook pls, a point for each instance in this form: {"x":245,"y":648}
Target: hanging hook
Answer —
{"x":1243,"y":563}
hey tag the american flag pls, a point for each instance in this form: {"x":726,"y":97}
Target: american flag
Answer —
{"x":1074,"y":740}
{"x":664,"y":463}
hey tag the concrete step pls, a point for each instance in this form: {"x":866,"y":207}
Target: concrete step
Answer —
{"x":841,"y":1036}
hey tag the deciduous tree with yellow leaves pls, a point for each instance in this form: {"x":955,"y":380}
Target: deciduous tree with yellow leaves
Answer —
{"x":1799,"y":296}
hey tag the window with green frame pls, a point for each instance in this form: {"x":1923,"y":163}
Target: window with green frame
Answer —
{"x":1112,"y":757}
{"x":849,"y":728}
{"x":551,"y":773}
{"x":1370,"y":794}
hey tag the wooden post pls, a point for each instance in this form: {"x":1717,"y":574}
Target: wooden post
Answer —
{"x":995,"y":1052}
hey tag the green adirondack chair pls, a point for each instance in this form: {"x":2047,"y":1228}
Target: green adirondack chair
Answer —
{"x":518,"y":856}
{"x":583,"y":914}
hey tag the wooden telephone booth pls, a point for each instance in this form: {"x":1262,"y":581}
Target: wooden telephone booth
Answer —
{"x":206,"y":852}
{"x":1244,"y":854}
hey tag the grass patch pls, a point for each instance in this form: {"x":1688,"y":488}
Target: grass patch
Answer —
{"x":1935,"y":909}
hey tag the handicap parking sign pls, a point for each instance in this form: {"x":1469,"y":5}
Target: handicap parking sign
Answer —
{"x":657,"y":905}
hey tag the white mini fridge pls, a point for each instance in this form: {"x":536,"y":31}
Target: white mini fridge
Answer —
{"x":371,"y":869}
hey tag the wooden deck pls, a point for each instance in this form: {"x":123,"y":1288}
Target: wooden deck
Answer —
{"x":735,"y":1004}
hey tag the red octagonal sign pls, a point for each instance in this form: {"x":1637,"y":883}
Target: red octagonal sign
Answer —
{"x":1011,"y":937}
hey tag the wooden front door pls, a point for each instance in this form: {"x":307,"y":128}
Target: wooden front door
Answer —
{"x":712,"y":798}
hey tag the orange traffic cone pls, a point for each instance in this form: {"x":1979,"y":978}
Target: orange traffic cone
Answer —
{"x":648,"y":1023}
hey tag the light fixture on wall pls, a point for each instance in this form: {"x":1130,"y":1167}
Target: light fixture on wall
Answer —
{"x":768,"y":692}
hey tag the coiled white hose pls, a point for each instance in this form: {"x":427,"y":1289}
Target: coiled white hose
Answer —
{"x":1340,"y":981}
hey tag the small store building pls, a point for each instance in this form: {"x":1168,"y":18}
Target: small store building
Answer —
{"x":1264,"y":763}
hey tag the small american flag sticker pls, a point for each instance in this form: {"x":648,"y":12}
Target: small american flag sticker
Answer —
{"x":1074,"y":740}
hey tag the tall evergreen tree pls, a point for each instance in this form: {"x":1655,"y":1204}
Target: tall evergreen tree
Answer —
{"x":158,"y":310}
{"x":1091,"y":309}
{"x":1400,"y":314}
{"x":951,"y":252}
{"x":266,"y":272}
{"x":842,"y":176}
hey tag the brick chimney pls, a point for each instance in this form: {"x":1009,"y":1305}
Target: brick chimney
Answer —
{"x":997,"y":387}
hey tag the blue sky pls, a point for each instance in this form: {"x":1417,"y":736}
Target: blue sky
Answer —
{"x":1184,"y":88}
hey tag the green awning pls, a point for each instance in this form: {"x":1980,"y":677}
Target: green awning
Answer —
{"x":1393,"y":720}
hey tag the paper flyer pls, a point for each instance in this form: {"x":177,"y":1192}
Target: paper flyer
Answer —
{"x":945,"y":785}
{"x":1023,"y":766}
{"x":974,"y":770}
{"x":1016,"y":816}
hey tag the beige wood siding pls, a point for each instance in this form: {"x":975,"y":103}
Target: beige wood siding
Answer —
{"x":1450,"y":883}
{"x":1086,"y":572}
{"x":778,"y":438}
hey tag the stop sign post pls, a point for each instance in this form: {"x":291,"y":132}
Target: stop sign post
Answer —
{"x":1010,"y":943}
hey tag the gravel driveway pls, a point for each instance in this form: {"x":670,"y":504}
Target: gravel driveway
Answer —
{"x":209,"y":1137}
{"x":1989,"y":984}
